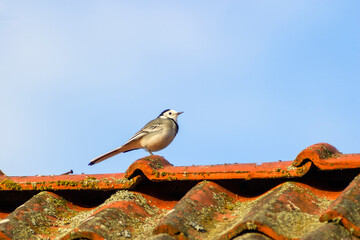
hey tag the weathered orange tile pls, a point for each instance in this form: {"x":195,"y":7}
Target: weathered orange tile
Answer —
{"x":328,"y":231}
{"x":82,"y":235}
{"x":120,"y":217}
{"x":157,"y":168}
{"x":345,"y":209}
{"x":323,"y":156}
{"x":286,"y":212}
{"x":162,"y":236}
{"x":327,"y":157}
{"x":190,"y":217}
{"x":3,"y":215}
{"x":252,"y":236}
{"x":35,"y":217}
{"x":68,"y":182}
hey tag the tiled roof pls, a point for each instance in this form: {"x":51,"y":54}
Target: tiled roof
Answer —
{"x":316,"y":196}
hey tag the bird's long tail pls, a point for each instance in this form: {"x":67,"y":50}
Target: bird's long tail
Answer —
{"x":125,"y":148}
{"x":105,"y":156}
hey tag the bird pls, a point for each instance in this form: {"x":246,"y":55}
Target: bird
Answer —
{"x":154,"y":136}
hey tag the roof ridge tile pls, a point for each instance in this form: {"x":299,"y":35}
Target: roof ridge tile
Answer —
{"x":164,"y":171}
{"x":322,"y":155}
{"x":315,"y":153}
{"x":326,"y":157}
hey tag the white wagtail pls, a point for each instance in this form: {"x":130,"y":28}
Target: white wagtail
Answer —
{"x":154,"y":136}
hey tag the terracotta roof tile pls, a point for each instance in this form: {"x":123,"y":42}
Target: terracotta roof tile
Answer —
{"x":287,"y":211}
{"x":158,"y":169}
{"x":162,"y":236}
{"x":345,"y":209}
{"x":327,"y":157}
{"x":326,"y":231}
{"x":252,"y":236}
{"x":322,"y":155}
{"x":316,"y":196}
{"x":193,"y":214}
{"x":67,"y":182}
{"x":36,"y":217}
{"x":125,"y":214}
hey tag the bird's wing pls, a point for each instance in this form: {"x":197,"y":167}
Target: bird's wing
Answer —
{"x":151,"y":127}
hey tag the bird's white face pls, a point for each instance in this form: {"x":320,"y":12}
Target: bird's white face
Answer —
{"x":170,"y":114}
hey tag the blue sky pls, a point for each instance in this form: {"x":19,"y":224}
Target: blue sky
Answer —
{"x":258,"y":81}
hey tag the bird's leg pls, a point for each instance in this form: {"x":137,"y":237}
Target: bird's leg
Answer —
{"x":148,"y":151}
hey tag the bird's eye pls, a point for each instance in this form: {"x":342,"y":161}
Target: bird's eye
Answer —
{"x":169,"y":113}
